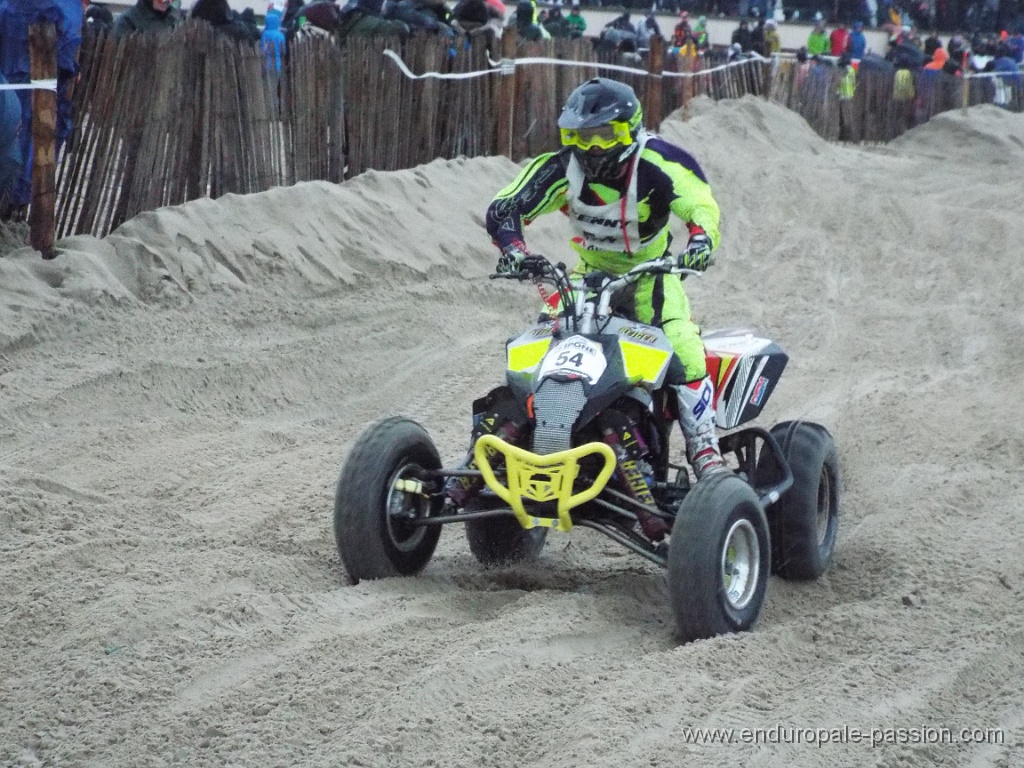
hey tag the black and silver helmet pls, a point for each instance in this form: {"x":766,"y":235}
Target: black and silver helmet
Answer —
{"x":601,"y":121}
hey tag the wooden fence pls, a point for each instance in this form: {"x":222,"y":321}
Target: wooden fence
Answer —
{"x":879,"y":111}
{"x":162,"y":119}
{"x":165,"y":119}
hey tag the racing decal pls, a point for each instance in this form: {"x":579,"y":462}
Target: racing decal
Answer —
{"x":745,"y":368}
{"x":639,"y":334}
{"x":759,"y":389}
{"x":525,"y":357}
{"x":645,"y":363}
{"x":705,"y":399}
{"x":576,"y":357}
{"x":720,"y":369}
{"x":749,"y":372}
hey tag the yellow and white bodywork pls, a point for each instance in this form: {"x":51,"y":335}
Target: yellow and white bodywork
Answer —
{"x":644,"y":350}
{"x":622,"y":351}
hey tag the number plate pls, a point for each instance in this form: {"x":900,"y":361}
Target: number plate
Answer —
{"x":577,"y":357}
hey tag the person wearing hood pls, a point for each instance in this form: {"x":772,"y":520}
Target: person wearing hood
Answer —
{"x":577,"y":24}
{"x":648,"y":28}
{"x":272,"y":39}
{"x":742,"y":37}
{"x":11,"y":159}
{"x":757,"y":43}
{"x":98,"y":16}
{"x":147,"y":16}
{"x":700,"y":34}
{"x":772,"y":42}
{"x":938,"y":61}
{"x":839,"y":40}
{"x":858,"y":42}
{"x":220,"y":16}
{"x":527,"y":30}
{"x":468,"y":16}
{"x":16,"y":16}
{"x":818,"y":42}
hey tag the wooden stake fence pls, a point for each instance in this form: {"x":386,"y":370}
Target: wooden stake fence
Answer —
{"x":42,"y":41}
{"x":162,"y":119}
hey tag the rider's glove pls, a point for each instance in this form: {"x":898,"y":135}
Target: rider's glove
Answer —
{"x":511,"y":259}
{"x":698,"y":251}
{"x":533,"y":265}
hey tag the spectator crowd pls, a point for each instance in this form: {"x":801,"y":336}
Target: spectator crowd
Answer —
{"x":839,"y":42}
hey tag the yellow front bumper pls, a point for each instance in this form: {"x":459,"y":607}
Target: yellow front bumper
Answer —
{"x":541,"y":478}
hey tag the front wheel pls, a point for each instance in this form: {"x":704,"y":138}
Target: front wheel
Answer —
{"x":718,"y":558}
{"x":804,"y":522}
{"x":373,"y":512}
{"x":501,"y":540}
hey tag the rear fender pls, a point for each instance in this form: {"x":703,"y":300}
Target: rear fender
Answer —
{"x":744,"y":369}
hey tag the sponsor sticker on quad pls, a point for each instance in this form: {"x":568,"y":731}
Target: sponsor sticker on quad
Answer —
{"x":759,"y":389}
{"x":638,"y":334}
{"x":575,"y":357}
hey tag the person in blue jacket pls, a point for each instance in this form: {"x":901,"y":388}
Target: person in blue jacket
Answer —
{"x":857,"y":45}
{"x":16,"y":16}
{"x":272,"y":40}
{"x":10,"y":150}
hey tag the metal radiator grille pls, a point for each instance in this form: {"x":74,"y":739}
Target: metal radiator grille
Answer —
{"x":556,"y":406}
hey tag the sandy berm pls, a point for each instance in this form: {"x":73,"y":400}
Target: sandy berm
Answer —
{"x":177,"y":399}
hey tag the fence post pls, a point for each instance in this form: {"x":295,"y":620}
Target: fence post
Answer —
{"x":655,"y":66}
{"x":42,"y":43}
{"x":506,"y":92}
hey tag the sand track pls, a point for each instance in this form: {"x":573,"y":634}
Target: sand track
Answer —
{"x":176,"y":401}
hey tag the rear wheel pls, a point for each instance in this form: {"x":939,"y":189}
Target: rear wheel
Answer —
{"x":718,"y":558}
{"x":501,"y":540}
{"x":374,"y":509}
{"x":804,"y":522}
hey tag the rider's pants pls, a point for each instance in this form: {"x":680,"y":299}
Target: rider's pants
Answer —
{"x":660,"y":300}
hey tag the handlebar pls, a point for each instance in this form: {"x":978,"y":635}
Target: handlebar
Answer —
{"x":590,"y":295}
{"x":665,"y":265}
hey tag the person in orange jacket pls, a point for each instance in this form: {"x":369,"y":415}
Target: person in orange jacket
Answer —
{"x":939,"y":58}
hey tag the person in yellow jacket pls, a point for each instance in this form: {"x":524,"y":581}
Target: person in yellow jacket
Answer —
{"x":619,"y":185}
{"x":848,"y":82}
{"x":772,"y":42}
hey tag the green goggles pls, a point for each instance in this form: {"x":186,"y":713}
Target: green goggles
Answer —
{"x":614,"y":134}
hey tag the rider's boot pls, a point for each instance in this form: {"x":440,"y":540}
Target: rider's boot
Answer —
{"x":697,"y":419}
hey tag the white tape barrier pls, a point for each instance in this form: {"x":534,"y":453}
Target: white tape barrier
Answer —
{"x":35,"y":85}
{"x":1011,"y":75}
{"x":507,"y":67}
{"x":439,"y":75}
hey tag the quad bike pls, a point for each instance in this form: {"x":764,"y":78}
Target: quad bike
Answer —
{"x":579,"y":436}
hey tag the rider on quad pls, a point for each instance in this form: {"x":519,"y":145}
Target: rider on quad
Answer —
{"x":618,"y":184}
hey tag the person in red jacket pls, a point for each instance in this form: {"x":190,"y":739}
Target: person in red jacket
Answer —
{"x":839,"y":40}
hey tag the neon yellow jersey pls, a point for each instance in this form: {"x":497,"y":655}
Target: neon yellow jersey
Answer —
{"x":668,"y":181}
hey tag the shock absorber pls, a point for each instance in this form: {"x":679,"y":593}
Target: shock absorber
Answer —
{"x":506,"y":423}
{"x":621,"y":435}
